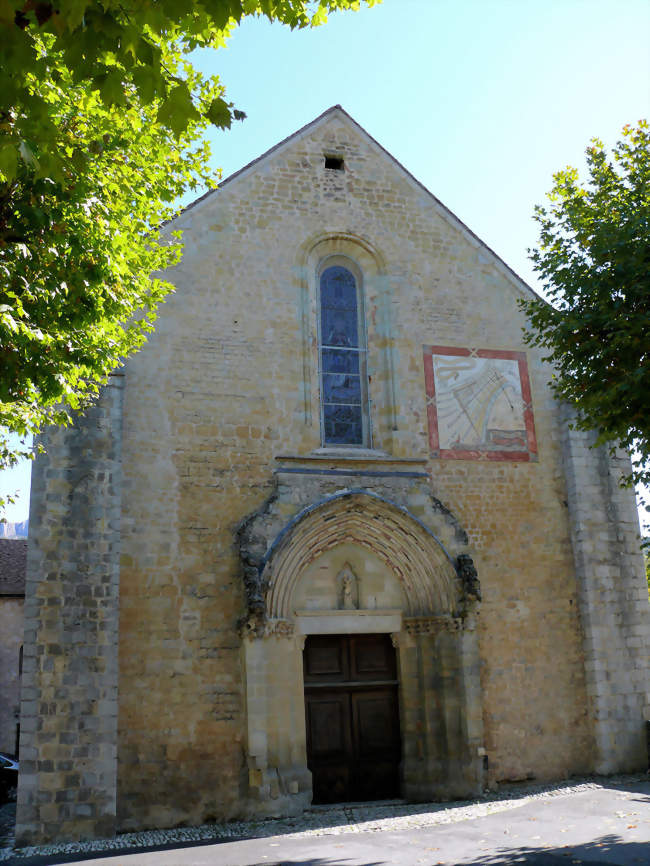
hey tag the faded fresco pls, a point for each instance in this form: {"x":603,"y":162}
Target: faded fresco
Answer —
{"x":479,"y":404}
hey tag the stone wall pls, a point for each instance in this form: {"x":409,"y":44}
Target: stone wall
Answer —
{"x":68,"y":768}
{"x":11,"y":629}
{"x":230,"y":381}
{"x":442,"y":724}
{"x":613,"y":599}
{"x":225,"y":393}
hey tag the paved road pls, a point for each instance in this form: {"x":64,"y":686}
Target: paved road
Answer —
{"x":609,"y":825}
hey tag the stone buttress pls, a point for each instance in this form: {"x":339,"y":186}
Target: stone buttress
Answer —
{"x":68,"y":746}
{"x":613,"y":599}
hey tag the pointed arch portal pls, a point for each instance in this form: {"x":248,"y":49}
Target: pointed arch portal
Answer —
{"x":407,"y":586}
{"x":411,"y":552}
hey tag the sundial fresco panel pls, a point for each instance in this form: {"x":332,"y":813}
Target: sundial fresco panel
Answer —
{"x":479,"y":404}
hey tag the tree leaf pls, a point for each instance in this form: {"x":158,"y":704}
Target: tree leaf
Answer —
{"x":177,"y":110}
{"x":112,"y":89}
{"x":8,"y":160}
{"x":219,"y":113}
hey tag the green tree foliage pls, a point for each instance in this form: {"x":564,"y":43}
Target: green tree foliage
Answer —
{"x":126,"y":51}
{"x":594,"y":261}
{"x":101,"y":116}
{"x":78,"y":248}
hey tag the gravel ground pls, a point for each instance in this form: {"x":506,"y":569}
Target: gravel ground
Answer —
{"x":320,"y":821}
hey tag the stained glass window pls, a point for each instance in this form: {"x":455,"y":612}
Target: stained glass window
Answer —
{"x":342,"y":358}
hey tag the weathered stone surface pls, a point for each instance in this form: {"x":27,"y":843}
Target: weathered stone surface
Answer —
{"x":13,"y":556}
{"x":11,"y":629}
{"x":408,"y":582}
{"x":221,"y":422}
{"x":613,"y":597}
{"x":67,"y":787}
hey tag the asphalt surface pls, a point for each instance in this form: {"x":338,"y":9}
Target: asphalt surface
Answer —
{"x":608,"y":825}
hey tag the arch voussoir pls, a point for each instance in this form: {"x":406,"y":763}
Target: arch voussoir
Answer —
{"x":424,"y":568}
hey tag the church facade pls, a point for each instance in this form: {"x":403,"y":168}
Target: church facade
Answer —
{"x":328,"y":536}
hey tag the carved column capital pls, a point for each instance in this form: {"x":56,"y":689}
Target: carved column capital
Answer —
{"x":257,"y":628}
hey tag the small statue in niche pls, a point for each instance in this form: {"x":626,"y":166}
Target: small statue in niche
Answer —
{"x":348,"y":589}
{"x":348,"y":602}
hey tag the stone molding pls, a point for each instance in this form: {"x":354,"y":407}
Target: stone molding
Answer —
{"x":308,"y":515}
{"x":354,"y":622}
{"x":418,"y":560}
{"x":432,"y":624}
{"x":375,"y":621}
{"x":254,"y":629}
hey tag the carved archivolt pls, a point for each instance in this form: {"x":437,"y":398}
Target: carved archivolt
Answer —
{"x":427,"y":575}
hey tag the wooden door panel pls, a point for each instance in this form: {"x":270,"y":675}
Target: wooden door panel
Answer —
{"x":328,"y":726}
{"x":375,"y":723}
{"x":353,"y":739}
{"x":329,"y":745}
{"x":326,"y":659}
{"x":375,"y":780}
{"x":372,"y":657}
{"x":332,"y":784}
{"x":376,"y":744}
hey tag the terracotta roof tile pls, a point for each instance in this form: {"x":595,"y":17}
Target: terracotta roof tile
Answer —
{"x":13,"y":565}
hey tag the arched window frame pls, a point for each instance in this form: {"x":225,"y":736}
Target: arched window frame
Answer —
{"x":362,"y":351}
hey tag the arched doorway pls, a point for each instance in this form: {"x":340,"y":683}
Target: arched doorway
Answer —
{"x":356,"y":573}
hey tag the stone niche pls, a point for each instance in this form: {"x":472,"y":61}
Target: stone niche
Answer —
{"x":354,"y":549}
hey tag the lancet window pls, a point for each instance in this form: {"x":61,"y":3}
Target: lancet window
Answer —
{"x":342,"y":356}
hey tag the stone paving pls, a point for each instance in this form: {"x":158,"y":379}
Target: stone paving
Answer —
{"x":335,"y":820}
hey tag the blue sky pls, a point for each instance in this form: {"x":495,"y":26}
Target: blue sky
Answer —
{"x":481,"y":100}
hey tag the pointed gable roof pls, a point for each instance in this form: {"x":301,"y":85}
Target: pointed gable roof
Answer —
{"x":443,"y":210}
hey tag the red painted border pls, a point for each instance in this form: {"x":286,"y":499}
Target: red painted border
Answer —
{"x":432,"y":415}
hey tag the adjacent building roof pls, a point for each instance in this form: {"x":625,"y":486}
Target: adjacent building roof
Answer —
{"x":13,"y":565}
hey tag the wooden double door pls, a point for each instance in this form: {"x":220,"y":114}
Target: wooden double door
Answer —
{"x":352,"y":716}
